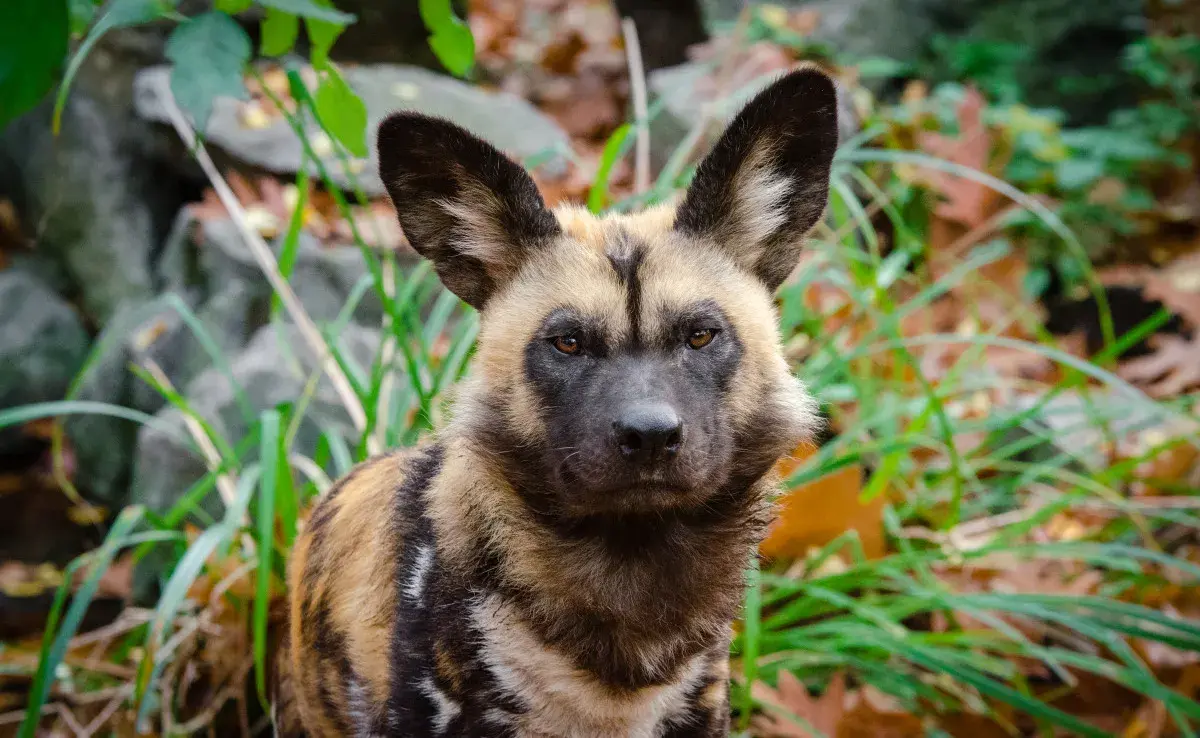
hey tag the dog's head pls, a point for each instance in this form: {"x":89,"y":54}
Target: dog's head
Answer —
{"x":626,"y":362}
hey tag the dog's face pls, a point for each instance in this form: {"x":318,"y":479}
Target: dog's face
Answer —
{"x":626,"y":363}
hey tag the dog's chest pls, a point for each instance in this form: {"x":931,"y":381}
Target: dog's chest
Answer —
{"x":558,"y":699}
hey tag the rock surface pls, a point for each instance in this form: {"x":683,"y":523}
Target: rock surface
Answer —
{"x":509,"y":122}
{"x":42,"y":346}
{"x":42,"y":341}
{"x":273,"y":369}
{"x":95,"y":199}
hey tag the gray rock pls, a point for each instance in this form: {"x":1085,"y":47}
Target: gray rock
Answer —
{"x":684,"y":98}
{"x":42,"y":346}
{"x":509,"y":122}
{"x":103,"y":445}
{"x":42,"y":341}
{"x":209,"y":261}
{"x":77,"y":189}
{"x":273,"y":369}
{"x":93,"y":198}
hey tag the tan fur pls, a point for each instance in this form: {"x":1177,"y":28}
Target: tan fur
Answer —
{"x":566,"y":701}
{"x":358,"y":589}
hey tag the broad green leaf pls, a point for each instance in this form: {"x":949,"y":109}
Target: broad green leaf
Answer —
{"x":209,"y":53}
{"x":279,"y":32}
{"x":342,"y":112}
{"x":321,"y":36}
{"x":233,"y":6}
{"x":454,"y":47}
{"x":315,"y":9}
{"x":118,"y":14}
{"x":33,"y":45}
{"x":449,"y":37}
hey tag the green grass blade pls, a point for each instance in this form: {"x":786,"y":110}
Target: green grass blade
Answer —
{"x":270,"y":459}
{"x":56,"y":638}
{"x":613,"y":149}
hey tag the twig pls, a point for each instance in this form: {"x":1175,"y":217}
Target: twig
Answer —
{"x":637,"y":88}
{"x":266,"y":261}
{"x":109,"y":710}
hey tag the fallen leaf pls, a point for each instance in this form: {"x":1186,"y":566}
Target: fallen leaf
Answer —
{"x":867,"y":720}
{"x":791,"y":700}
{"x":1171,"y":369}
{"x":966,"y":202}
{"x":813,"y":514}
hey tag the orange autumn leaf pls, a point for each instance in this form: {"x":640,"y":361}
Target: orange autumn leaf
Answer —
{"x":814,"y":514}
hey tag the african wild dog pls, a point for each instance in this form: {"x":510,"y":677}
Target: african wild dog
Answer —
{"x":567,"y":557}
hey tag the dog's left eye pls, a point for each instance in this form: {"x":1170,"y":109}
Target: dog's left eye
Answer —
{"x":568,"y":344}
{"x":701,"y":338}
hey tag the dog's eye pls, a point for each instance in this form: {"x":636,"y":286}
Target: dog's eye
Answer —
{"x":568,"y":345}
{"x":701,"y":338}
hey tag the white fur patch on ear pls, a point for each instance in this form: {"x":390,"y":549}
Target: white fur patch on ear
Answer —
{"x":478,"y":232}
{"x":761,"y":207}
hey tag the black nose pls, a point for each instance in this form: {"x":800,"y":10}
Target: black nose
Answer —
{"x":649,"y":432}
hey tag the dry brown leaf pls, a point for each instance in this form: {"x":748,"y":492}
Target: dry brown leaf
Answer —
{"x":792,"y":700}
{"x":813,"y":514}
{"x":966,"y":202}
{"x":1172,"y":369}
{"x":867,"y":720}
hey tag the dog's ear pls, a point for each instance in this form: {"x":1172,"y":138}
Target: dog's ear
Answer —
{"x":765,"y":183}
{"x":464,"y":205}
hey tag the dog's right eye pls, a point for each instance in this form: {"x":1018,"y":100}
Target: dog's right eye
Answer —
{"x":568,"y":345}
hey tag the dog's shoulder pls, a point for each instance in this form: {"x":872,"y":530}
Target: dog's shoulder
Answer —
{"x":345,"y":576}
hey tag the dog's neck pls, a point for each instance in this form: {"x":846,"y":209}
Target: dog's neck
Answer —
{"x":629,"y":598}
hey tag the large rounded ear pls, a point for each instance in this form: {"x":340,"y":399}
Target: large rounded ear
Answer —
{"x":465,"y":206}
{"x":765,"y":183}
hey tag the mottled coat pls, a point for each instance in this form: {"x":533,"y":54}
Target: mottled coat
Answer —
{"x":565,"y":559}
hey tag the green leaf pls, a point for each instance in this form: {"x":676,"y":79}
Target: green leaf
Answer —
{"x":209,"y":53}
{"x":449,"y":37}
{"x":33,"y":45}
{"x":315,"y":9}
{"x":233,"y":6}
{"x":279,"y":32}
{"x":119,"y":14}
{"x":343,"y":114}
{"x":321,"y":36}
